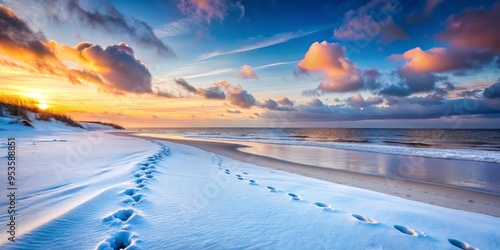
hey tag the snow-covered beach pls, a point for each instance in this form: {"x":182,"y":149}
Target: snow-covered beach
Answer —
{"x":91,"y":190}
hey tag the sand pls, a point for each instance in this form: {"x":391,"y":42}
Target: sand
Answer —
{"x":450,"y":197}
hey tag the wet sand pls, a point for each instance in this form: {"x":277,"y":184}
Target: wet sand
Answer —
{"x":445,"y":196}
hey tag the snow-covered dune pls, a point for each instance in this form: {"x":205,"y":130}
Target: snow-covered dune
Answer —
{"x":88,"y":190}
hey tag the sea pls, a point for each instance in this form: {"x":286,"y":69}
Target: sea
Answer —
{"x":465,"y":158}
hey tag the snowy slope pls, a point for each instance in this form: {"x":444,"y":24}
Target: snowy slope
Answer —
{"x":137,"y":194}
{"x":95,"y":126}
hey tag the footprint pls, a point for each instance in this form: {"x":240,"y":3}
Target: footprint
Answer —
{"x":461,"y":244}
{"x":139,"y":181}
{"x":128,"y":200}
{"x":130,"y":191}
{"x":137,"y":175}
{"x":137,"y":197}
{"x":121,"y":240}
{"x":272,"y":189}
{"x":227,"y":171}
{"x":252,"y":182}
{"x":149,"y":176}
{"x":406,"y":230}
{"x":323,"y":205}
{"x":140,"y":185}
{"x":365,"y":219}
{"x":295,"y":196}
{"x":122,"y":214}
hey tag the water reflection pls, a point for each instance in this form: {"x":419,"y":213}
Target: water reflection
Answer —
{"x":480,"y":176}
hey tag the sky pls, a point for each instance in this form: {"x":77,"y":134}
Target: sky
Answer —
{"x":242,"y":63}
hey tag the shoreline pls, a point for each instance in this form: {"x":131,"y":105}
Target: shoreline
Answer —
{"x":444,"y":196}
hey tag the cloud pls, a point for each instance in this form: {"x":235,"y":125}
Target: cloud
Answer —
{"x":275,"y":64}
{"x":185,"y":85}
{"x":492,"y":92}
{"x":417,"y":81}
{"x":329,"y":59}
{"x":114,"y":69}
{"x":237,"y":96}
{"x":209,"y":10}
{"x":221,"y":90}
{"x":358,"y":101}
{"x":246,"y":72}
{"x":315,"y":102}
{"x":371,"y":79}
{"x":395,"y":90}
{"x":113,"y":21}
{"x":214,"y":92}
{"x":438,"y":60}
{"x":178,"y":27}
{"x":211,"y":73}
{"x":474,"y":28}
{"x":233,"y":111}
{"x":285,"y":101}
{"x":118,"y":66}
{"x":427,"y":107}
{"x":418,"y":74}
{"x":260,"y":42}
{"x":471,"y":93}
{"x":274,"y":105}
{"x":371,"y":20}
{"x":29,"y":50}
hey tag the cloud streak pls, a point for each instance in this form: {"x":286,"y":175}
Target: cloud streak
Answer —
{"x":178,"y":27}
{"x":262,"y":42}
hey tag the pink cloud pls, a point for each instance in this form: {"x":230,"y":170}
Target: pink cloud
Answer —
{"x":436,"y":60}
{"x":246,"y":72}
{"x":477,"y":28}
{"x":329,"y":59}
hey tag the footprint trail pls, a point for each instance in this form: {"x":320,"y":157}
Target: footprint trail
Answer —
{"x":124,"y":238}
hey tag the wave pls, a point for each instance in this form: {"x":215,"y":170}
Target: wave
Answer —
{"x":409,"y":149}
{"x":347,"y":140}
{"x":298,"y":136}
{"x":416,"y":144}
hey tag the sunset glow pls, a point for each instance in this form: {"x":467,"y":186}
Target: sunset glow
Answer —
{"x":220,"y":63}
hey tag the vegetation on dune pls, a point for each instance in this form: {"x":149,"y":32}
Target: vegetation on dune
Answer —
{"x":15,"y":105}
{"x":106,"y":124}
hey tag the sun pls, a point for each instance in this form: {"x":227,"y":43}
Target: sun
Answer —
{"x":43,"y":105}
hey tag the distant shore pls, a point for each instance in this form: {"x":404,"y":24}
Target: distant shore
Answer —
{"x":450,"y":197}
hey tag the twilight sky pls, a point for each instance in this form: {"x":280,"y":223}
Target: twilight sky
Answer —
{"x":278,"y":63}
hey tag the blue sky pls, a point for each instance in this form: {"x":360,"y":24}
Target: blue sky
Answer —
{"x":338,"y":63}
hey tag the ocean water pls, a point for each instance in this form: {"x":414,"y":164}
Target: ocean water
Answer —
{"x":468,"y":159}
{"x":458,"y":144}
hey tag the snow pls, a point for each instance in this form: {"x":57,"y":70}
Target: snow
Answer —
{"x":90,"y":190}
